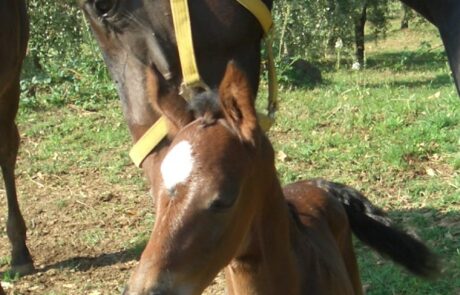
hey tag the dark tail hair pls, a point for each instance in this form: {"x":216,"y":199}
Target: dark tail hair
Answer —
{"x":370,"y":224}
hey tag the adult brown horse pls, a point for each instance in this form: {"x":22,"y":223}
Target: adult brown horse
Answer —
{"x":220,"y":203}
{"x":139,"y":46}
{"x":14,"y":34}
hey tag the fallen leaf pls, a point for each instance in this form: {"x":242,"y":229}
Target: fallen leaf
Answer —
{"x":69,"y":286}
{"x":33,"y":288}
{"x":430,"y":172}
{"x":281,"y":156}
{"x":6,"y":285}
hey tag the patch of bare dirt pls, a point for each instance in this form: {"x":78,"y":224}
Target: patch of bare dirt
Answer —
{"x":85,"y":234}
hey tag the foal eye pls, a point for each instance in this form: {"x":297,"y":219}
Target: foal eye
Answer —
{"x":223,"y":201}
{"x":220,"y":205}
{"x":103,"y":6}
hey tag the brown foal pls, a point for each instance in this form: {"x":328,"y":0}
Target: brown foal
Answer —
{"x":219,"y":203}
{"x":14,"y":34}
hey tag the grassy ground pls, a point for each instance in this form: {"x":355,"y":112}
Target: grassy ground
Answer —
{"x":391,"y":130}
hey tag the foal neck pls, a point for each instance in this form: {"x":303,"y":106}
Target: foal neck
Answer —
{"x":266,"y":262}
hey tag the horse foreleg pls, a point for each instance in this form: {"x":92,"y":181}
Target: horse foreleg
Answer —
{"x":21,"y":260}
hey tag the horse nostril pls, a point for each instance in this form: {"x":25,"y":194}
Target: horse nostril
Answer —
{"x":149,"y":292}
{"x":103,"y":6}
{"x":156,"y":291}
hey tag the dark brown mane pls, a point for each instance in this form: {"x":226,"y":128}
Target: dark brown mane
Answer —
{"x":206,"y":105}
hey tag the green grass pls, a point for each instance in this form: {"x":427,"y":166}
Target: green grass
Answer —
{"x":75,"y":139}
{"x":391,"y":130}
{"x":10,"y":276}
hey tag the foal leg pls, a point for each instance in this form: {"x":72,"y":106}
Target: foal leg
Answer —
{"x":351,"y":264}
{"x":21,"y":260}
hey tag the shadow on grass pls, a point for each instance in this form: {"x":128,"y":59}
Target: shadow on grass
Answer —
{"x":420,"y":60}
{"x":440,"y":232}
{"x":441,"y":80}
{"x":85,"y":263}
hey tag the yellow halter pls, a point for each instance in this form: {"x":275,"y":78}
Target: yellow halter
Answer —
{"x":191,"y":76}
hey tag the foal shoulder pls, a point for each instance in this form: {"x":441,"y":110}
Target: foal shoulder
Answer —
{"x":323,"y":229}
{"x":316,"y":207}
{"x":313,"y":201}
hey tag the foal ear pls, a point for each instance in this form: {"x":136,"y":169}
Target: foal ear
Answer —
{"x":237,"y":103}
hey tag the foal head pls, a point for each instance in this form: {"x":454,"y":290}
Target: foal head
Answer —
{"x":209,"y":185}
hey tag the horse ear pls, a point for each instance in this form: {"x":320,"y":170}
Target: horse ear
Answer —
{"x":169,"y":104}
{"x":237,"y":103}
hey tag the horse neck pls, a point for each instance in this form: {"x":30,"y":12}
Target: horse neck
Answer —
{"x":266,"y":264}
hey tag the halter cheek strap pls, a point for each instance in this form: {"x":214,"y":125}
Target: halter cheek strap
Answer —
{"x":264,"y":16}
{"x":183,"y":30}
{"x":191,"y":76}
{"x":149,"y":141}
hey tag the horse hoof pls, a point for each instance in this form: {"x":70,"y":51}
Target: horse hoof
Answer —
{"x":23,"y":269}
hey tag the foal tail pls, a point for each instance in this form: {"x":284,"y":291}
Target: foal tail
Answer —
{"x":370,"y":224}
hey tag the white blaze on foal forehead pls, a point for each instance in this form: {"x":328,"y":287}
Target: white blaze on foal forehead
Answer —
{"x":177,"y":165}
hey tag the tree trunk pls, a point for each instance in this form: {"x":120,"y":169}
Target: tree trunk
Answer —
{"x":360,"y":23}
{"x":282,"y":46}
{"x":406,"y":16}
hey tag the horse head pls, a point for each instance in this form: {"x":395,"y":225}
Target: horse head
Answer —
{"x":138,"y":43}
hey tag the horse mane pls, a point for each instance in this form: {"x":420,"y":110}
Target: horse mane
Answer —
{"x":206,"y":105}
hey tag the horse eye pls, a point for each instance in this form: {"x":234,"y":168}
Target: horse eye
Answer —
{"x":224,"y":201}
{"x":221,"y":204}
{"x":103,"y":6}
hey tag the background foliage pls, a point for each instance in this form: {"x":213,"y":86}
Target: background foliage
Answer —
{"x":310,"y":29}
{"x":64,"y":64}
